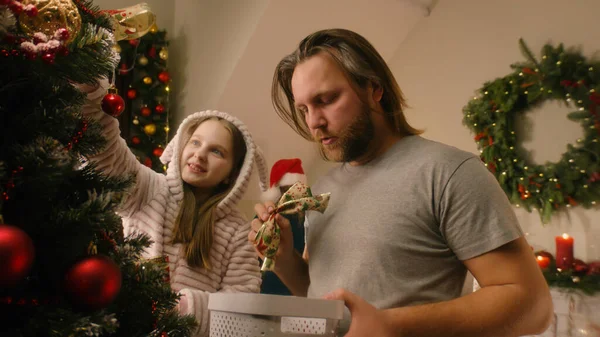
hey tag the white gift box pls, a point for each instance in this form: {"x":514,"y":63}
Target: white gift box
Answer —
{"x":261,"y":315}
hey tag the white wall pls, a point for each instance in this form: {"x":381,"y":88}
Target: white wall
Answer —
{"x":209,"y":38}
{"x":283,"y":24}
{"x":464,"y":43}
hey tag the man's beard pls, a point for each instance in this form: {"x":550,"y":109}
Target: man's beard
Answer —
{"x":353,"y":142}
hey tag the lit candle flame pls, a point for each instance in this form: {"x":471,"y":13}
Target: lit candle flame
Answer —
{"x":565,"y":236}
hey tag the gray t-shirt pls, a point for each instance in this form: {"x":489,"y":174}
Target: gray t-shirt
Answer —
{"x":396,"y":230}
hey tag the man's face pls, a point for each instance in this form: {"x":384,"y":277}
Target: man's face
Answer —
{"x":335,"y":115}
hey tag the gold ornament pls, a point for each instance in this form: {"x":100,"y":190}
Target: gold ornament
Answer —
{"x":147,"y":80}
{"x":163,"y":54}
{"x":52,"y":15}
{"x":132,"y":22}
{"x":117,"y":48}
{"x":143,"y":60}
{"x":153,"y":29}
{"x":150,"y":129}
{"x":136,"y":121}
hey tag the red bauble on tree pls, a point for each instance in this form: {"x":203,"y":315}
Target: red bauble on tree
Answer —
{"x":112,"y":103}
{"x":134,"y":43}
{"x":123,"y":69}
{"x":152,"y":52}
{"x":164,"y":76}
{"x":148,"y":162}
{"x":93,"y":283}
{"x":146,"y":111}
{"x":159,"y":108}
{"x":131,"y":93}
{"x":157,"y":152}
{"x":135,"y":140}
{"x":16,"y":255}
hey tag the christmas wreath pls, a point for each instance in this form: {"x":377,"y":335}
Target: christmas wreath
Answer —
{"x":561,"y":75}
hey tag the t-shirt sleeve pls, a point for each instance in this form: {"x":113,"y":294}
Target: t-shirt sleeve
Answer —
{"x":476,"y":216}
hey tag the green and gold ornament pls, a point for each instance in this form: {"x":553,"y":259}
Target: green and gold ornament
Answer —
{"x":297,"y":199}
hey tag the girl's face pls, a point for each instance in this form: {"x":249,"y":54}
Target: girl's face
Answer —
{"x":207,"y":158}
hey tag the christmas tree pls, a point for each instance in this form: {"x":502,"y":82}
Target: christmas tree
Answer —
{"x":144,"y":79}
{"x":66,"y":268}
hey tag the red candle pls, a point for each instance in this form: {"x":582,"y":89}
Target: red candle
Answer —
{"x":543,"y":261}
{"x":564,"y":252}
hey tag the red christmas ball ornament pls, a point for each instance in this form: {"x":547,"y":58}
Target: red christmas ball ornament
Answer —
{"x":135,"y":140}
{"x":152,"y":52}
{"x":146,"y":111}
{"x":164,"y":76}
{"x":134,"y":43}
{"x":93,"y":283}
{"x":580,"y":267}
{"x":157,"y":152}
{"x":594,"y":268}
{"x":4,"y":53}
{"x":148,"y":162}
{"x":123,"y":69}
{"x":112,"y":103}
{"x":48,"y":58}
{"x":131,"y":93}
{"x":16,"y":255}
{"x":159,"y":108}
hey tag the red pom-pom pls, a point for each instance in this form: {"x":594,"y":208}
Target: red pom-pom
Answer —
{"x":63,"y":34}
{"x":16,"y":255}
{"x":146,"y":111}
{"x":135,"y":140}
{"x":164,"y":76}
{"x":93,"y":282}
{"x":159,"y":108}
{"x":113,"y":104}
{"x":157,"y":152}
{"x":31,"y":11}
{"x":16,"y":8}
{"x":131,"y":93}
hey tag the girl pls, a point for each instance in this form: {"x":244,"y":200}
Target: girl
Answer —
{"x":190,"y":213}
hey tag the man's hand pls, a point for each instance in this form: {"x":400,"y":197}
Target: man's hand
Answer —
{"x":286,"y":243}
{"x":366,"y":319}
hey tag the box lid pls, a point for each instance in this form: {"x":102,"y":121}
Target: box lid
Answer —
{"x":276,"y":305}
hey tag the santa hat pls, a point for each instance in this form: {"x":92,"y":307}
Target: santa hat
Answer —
{"x":285,"y":172}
